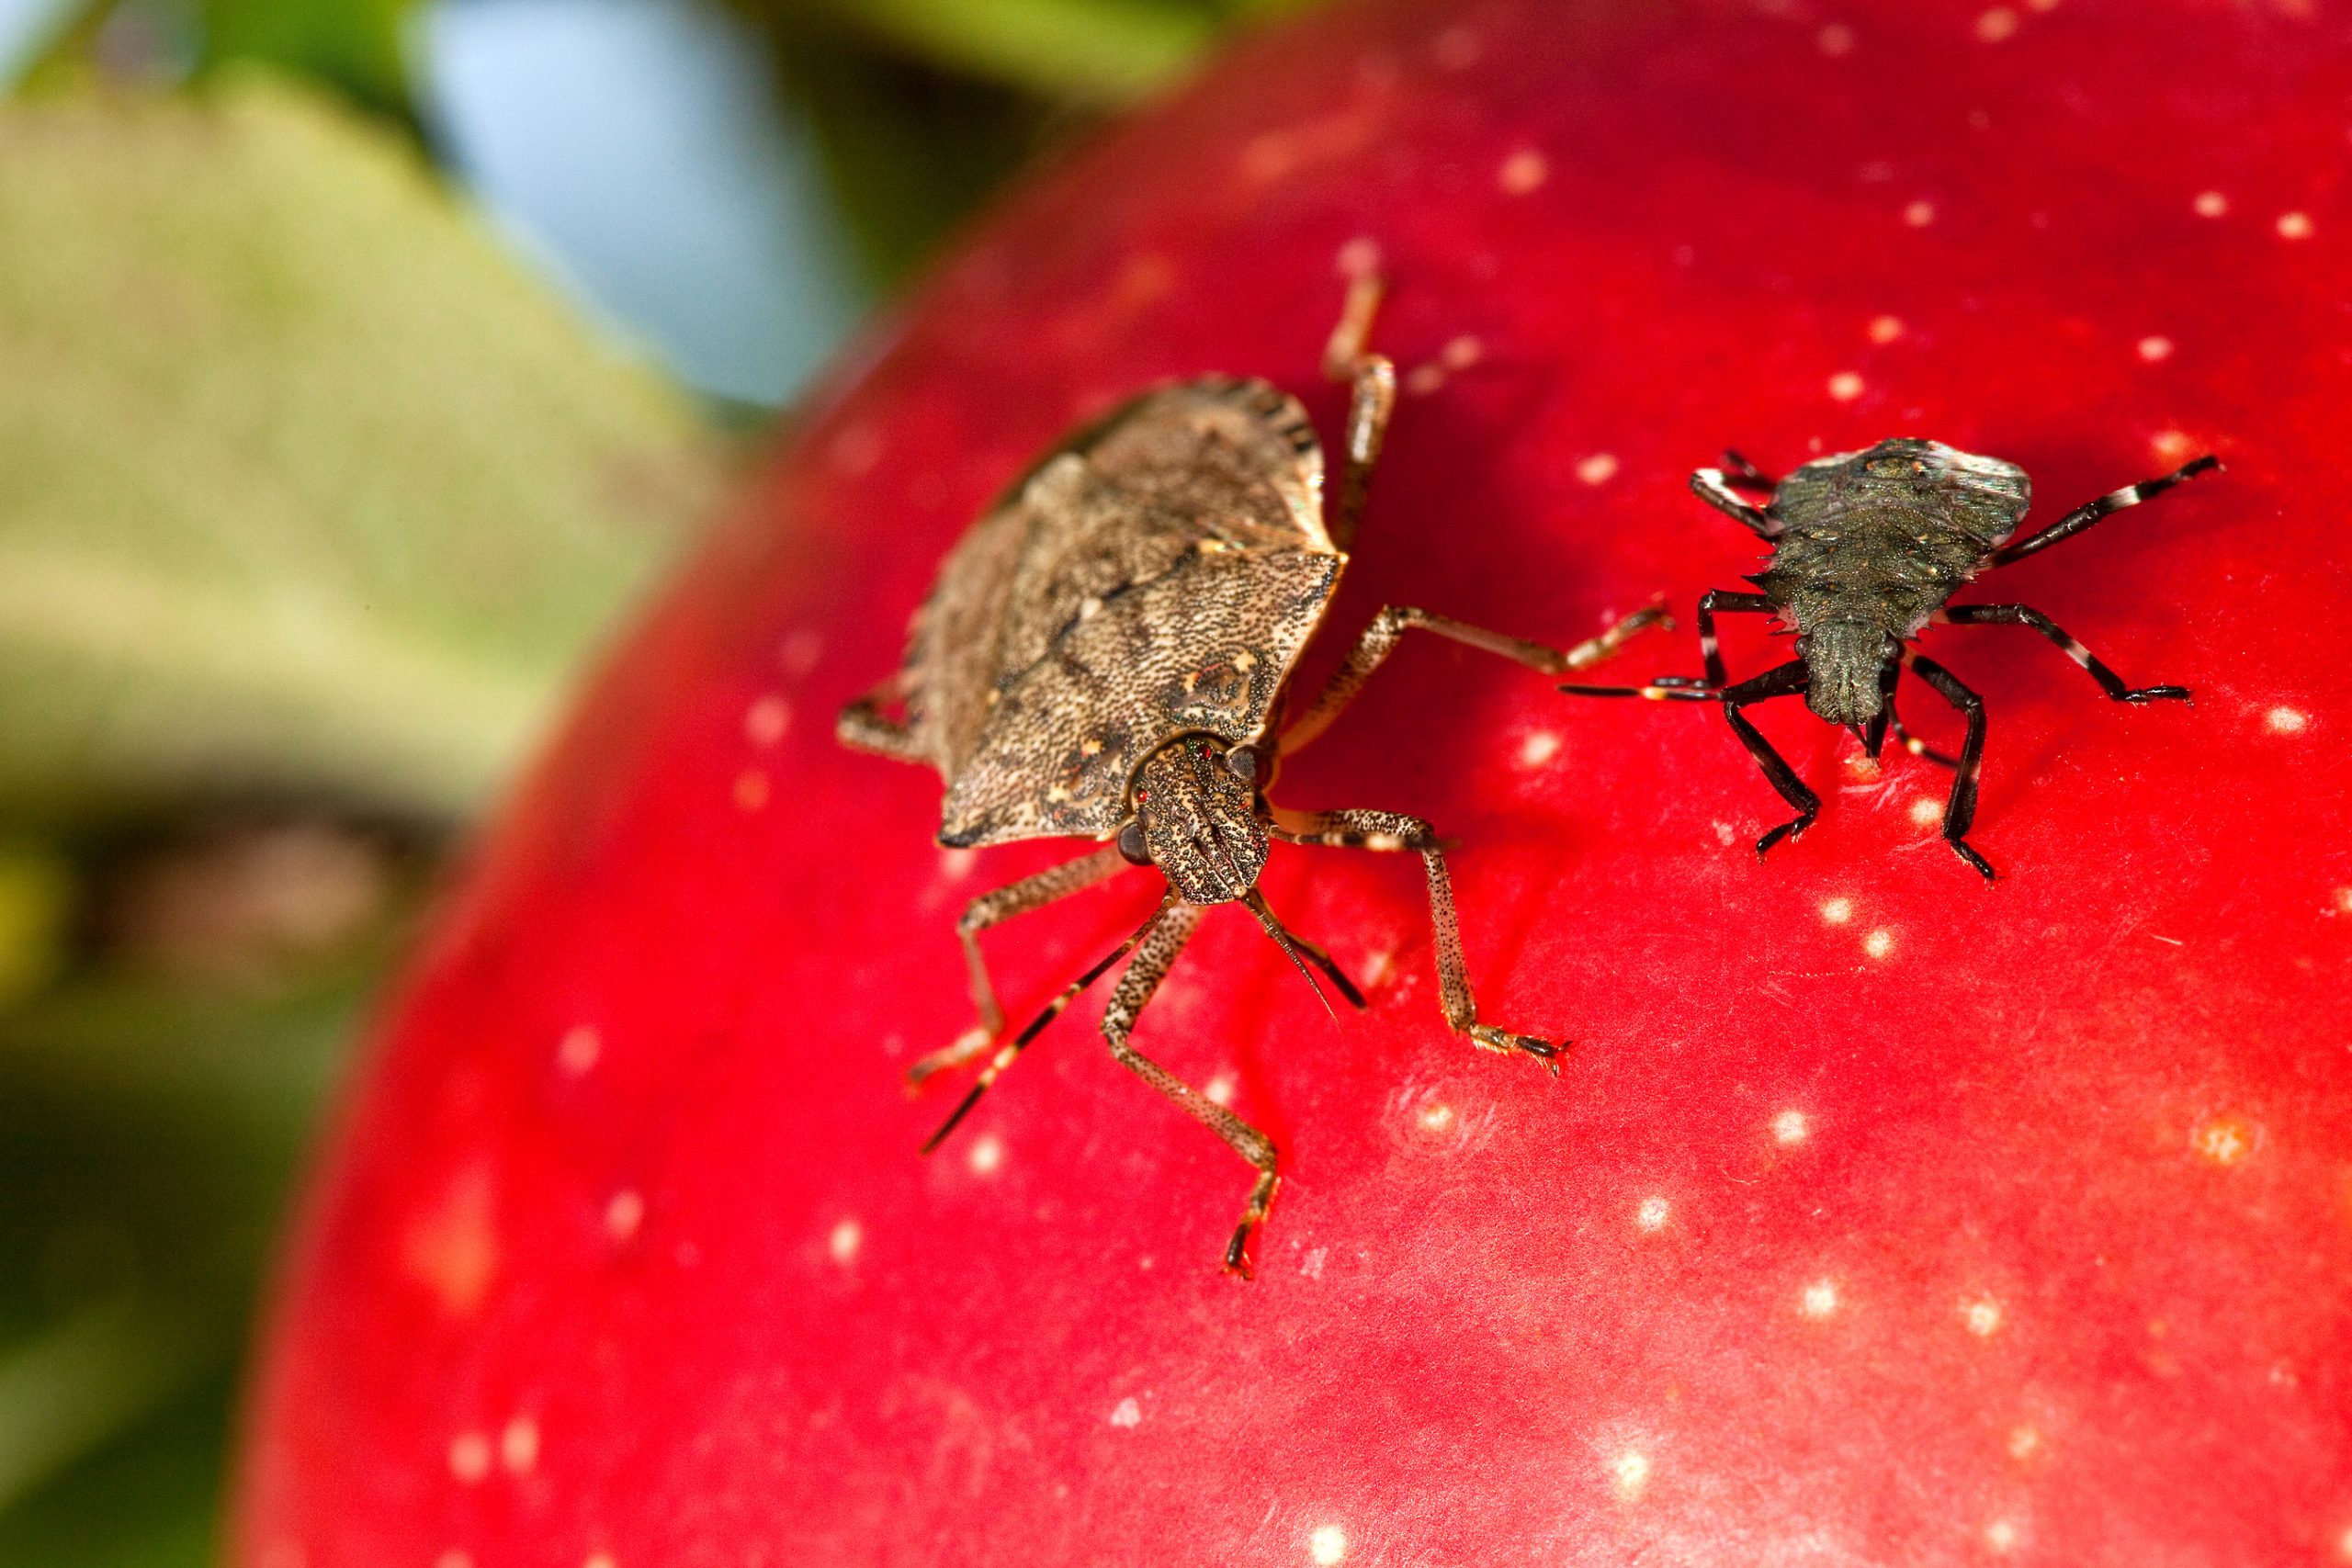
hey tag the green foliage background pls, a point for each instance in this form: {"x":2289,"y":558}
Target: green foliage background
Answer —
{"x":312,"y":502}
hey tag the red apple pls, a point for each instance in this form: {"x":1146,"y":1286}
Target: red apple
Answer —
{"x":1881,"y":1216}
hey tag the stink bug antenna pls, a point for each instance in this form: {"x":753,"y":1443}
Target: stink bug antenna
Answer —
{"x":1260,"y":907}
{"x":1011,"y":1052}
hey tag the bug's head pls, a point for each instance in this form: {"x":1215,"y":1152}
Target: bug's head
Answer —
{"x":1845,"y":663}
{"x":1196,"y":818}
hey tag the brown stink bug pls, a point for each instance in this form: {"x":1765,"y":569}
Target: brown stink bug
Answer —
{"x":1106,"y":654}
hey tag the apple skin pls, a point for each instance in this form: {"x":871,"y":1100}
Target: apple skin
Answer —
{"x":1879,"y":1216}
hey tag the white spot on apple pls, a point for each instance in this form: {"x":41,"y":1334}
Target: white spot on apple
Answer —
{"x":2294,"y":226}
{"x":1653,"y":1214}
{"x":1457,"y":48}
{"x":1791,"y":1128}
{"x":1523,"y":171}
{"x":518,"y":1446}
{"x":987,"y":1153}
{"x":1879,"y":943}
{"x":1846,"y":386}
{"x":1538,"y":749}
{"x":2225,"y":1140}
{"x":1327,"y":1544}
{"x":1599,"y":468}
{"x":1126,"y":1413}
{"x":1836,"y":911}
{"x":842,"y":1245}
{"x":2285,"y":720}
{"x":624,"y":1213}
{"x":579,"y":1050}
{"x":1631,"y":1470}
{"x":2210,"y":203}
{"x":470,"y":1456}
{"x":2155,"y":349}
{"x":765,"y":721}
{"x":1982,"y":1317}
{"x":1820,"y":1299}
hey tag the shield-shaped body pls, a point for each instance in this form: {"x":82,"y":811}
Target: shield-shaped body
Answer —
{"x":1157,"y":575}
{"x":1882,"y":537}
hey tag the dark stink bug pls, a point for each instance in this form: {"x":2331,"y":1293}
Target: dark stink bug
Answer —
{"x":1106,"y":654}
{"x":1867,"y":549}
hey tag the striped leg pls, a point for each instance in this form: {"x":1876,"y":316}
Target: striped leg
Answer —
{"x":1714,"y":486}
{"x":1960,"y":810}
{"x":2083,"y":516}
{"x":990,"y":909}
{"x":1011,"y":1052}
{"x":1678,"y":688}
{"x":2024,"y":615}
{"x":1722,"y":599}
{"x":1371,"y":398}
{"x":1380,"y":639}
{"x":1388,"y":832}
{"x":1166,"y":940}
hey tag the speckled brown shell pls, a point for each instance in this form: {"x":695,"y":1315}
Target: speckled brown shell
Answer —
{"x":1156,"y":575}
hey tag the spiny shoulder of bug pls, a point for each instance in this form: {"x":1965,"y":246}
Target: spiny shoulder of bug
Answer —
{"x":1868,"y":544}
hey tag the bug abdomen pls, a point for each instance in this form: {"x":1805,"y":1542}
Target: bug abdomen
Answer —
{"x":1881,"y":567}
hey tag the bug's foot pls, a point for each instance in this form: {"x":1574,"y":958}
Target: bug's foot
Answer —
{"x":973,"y":1042}
{"x":1236,"y":1251}
{"x":1967,"y":851}
{"x":1487,"y":1037}
{"x":1789,"y":831}
{"x":2155,"y":694}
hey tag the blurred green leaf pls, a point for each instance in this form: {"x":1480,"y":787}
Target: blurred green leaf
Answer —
{"x":304,"y":486}
{"x":147,"y":1130}
{"x":36,"y":899}
{"x":71,"y":1388}
{"x":359,"y":45}
{"x":1098,"y":51}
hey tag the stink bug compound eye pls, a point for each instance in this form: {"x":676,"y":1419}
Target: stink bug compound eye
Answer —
{"x":1868,"y":547}
{"x":1107,"y":655}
